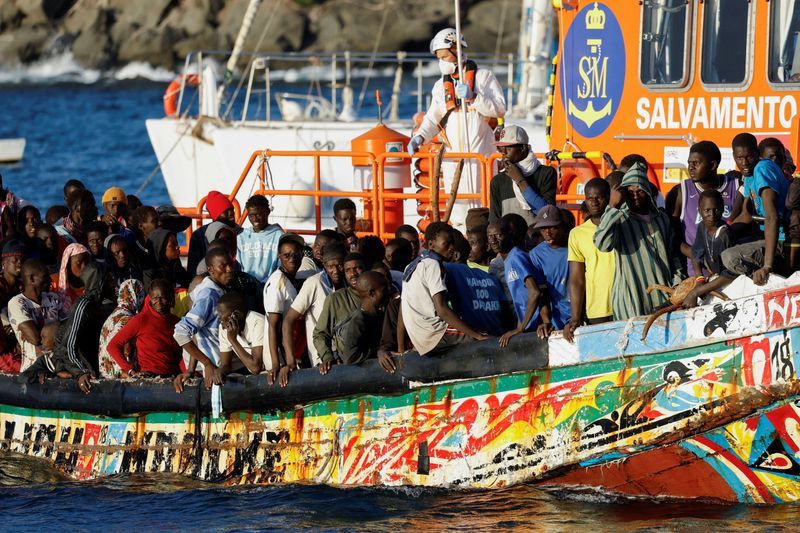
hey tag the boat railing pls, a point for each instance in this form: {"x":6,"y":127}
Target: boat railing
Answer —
{"x":376,"y":199}
{"x":338,"y":70}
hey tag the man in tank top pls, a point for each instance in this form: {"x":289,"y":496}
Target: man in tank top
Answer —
{"x":683,"y":201}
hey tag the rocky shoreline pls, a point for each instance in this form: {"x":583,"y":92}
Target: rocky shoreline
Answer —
{"x":109,"y":33}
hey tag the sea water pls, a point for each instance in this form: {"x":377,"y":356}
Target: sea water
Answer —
{"x":95,"y":132}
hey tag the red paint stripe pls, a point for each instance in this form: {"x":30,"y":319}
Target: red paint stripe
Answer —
{"x":743,"y":468}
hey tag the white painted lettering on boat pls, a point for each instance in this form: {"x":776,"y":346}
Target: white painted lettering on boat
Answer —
{"x":716,"y":112}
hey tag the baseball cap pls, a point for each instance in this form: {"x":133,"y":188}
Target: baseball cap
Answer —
{"x":510,"y":135}
{"x":548,"y":217}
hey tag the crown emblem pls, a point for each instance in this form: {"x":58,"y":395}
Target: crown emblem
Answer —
{"x":595,"y":18}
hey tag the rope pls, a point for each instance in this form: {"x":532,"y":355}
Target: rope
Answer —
{"x":372,"y":56}
{"x":155,"y":170}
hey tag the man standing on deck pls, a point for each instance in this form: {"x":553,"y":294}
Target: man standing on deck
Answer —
{"x":641,"y":237}
{"x":462,"y":109}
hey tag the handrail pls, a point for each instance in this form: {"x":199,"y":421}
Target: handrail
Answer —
{"x":377,"y":195}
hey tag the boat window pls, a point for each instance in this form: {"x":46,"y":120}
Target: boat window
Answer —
{"x":784,"y":46}
{"x":725,"y":31}
{"x":664,"y":48}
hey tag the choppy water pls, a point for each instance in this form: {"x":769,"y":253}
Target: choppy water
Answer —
{"x":96,"y":133}
{"x":32,"y":497}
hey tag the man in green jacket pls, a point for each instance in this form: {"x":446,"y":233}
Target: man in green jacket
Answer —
{"x":338,"y":306}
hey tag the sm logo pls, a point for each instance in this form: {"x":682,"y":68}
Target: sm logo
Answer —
{"x":592,"y":70}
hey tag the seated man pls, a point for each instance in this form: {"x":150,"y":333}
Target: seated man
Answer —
{"x":410,"y":234}
{"x":357,"y":337}
{"x":115,"y":211}
{"x":241,"y":336}
{"x":475,"y":296}
{"x":641,"y":237}
{"x":32,"y":310}
{"x":525,"y":186}
{"x":684,"y":199}
{"x":431,"y":325}
{"x":399,"y":253}
{"x":310,"y":302}
{"x":220,"y":209}
{"x":551,"y":268}
{"x":78,"y":337}
{"x":765,"y":197}
{"x":151,"y":331}
{"x":257,"y":246}
{"x":520,"y":278}
{"x":336,"y":308}
{"x":344,"y":214}
{"x":480,"y":255}
{"x":279,"y":293}
{"x":198,"y":332}
{"x":82,"y":210}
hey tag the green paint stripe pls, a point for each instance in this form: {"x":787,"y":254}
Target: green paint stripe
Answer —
{"x":435,"y":393}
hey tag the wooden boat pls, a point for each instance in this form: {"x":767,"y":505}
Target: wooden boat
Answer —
{"x":11,"y":150}
{"x":707,"y":408}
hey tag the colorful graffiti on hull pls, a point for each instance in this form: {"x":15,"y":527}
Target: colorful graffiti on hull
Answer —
{"x":479,"y":433}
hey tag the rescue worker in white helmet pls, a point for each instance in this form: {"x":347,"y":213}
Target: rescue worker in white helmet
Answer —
{"x":480,"y":97}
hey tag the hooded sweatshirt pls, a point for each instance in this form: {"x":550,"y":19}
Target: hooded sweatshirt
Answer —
{"x":164,"y":269}
{"x":643,"y":247}
{"x":156,"y":350}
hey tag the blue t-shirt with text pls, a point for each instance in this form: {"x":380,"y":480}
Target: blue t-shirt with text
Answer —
{"x":518,"y":268}
{"x":551,"y":270}
{"x":475,"y":297}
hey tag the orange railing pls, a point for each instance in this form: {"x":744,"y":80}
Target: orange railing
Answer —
{"x":379,"y":194}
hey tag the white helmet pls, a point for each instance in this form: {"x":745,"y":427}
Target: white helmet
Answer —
{"x":445,"y":39}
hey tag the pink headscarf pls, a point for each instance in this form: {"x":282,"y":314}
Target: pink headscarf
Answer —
{"x":68,"y":298}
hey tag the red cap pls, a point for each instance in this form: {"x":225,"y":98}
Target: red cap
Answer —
{"x":216,"y":204}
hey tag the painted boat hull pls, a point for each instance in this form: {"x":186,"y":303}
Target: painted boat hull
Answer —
{"x":708,"y":413}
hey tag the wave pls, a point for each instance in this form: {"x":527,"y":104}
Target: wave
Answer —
{"x":63,"y":68}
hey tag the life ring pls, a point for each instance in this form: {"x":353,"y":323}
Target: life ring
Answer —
{"x":174,"y":89}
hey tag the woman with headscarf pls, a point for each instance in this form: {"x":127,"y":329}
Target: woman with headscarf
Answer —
{"x":70,"y":286}
{"x":119,"y":261}
{"x":129,"y":302}
{"x":166,"y":252}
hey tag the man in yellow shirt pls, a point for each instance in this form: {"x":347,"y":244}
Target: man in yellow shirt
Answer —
{"x":591,"y":272}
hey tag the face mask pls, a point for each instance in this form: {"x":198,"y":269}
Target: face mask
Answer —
{"x":446,"y":67}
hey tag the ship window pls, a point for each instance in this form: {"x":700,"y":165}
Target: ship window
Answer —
{"x":784,"y":46}
{"x":725,"y":31}
{"x":664,"y":51}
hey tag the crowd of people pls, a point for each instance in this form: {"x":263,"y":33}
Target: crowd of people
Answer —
{"x":92,"y":293}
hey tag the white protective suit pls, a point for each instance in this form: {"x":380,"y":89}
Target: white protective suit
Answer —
{"x":488,"y":102}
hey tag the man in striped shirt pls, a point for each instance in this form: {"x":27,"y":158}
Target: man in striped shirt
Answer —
{"x":643,"y":244}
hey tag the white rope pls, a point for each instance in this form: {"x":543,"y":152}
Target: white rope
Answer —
{"x":462,"y":115}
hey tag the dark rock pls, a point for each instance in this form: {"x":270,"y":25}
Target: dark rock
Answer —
{"x":190,"y":18}
{"x":205,"y":40}
{"x":285,"y":26}
{"x":151,"y":45}
{"x":23,"y":45}
{"x":482,"y":26}
{"x":133,"y":15}
{"x":32,"y":11}
{"x":347,"y":26}
{"x":10,"y":15}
